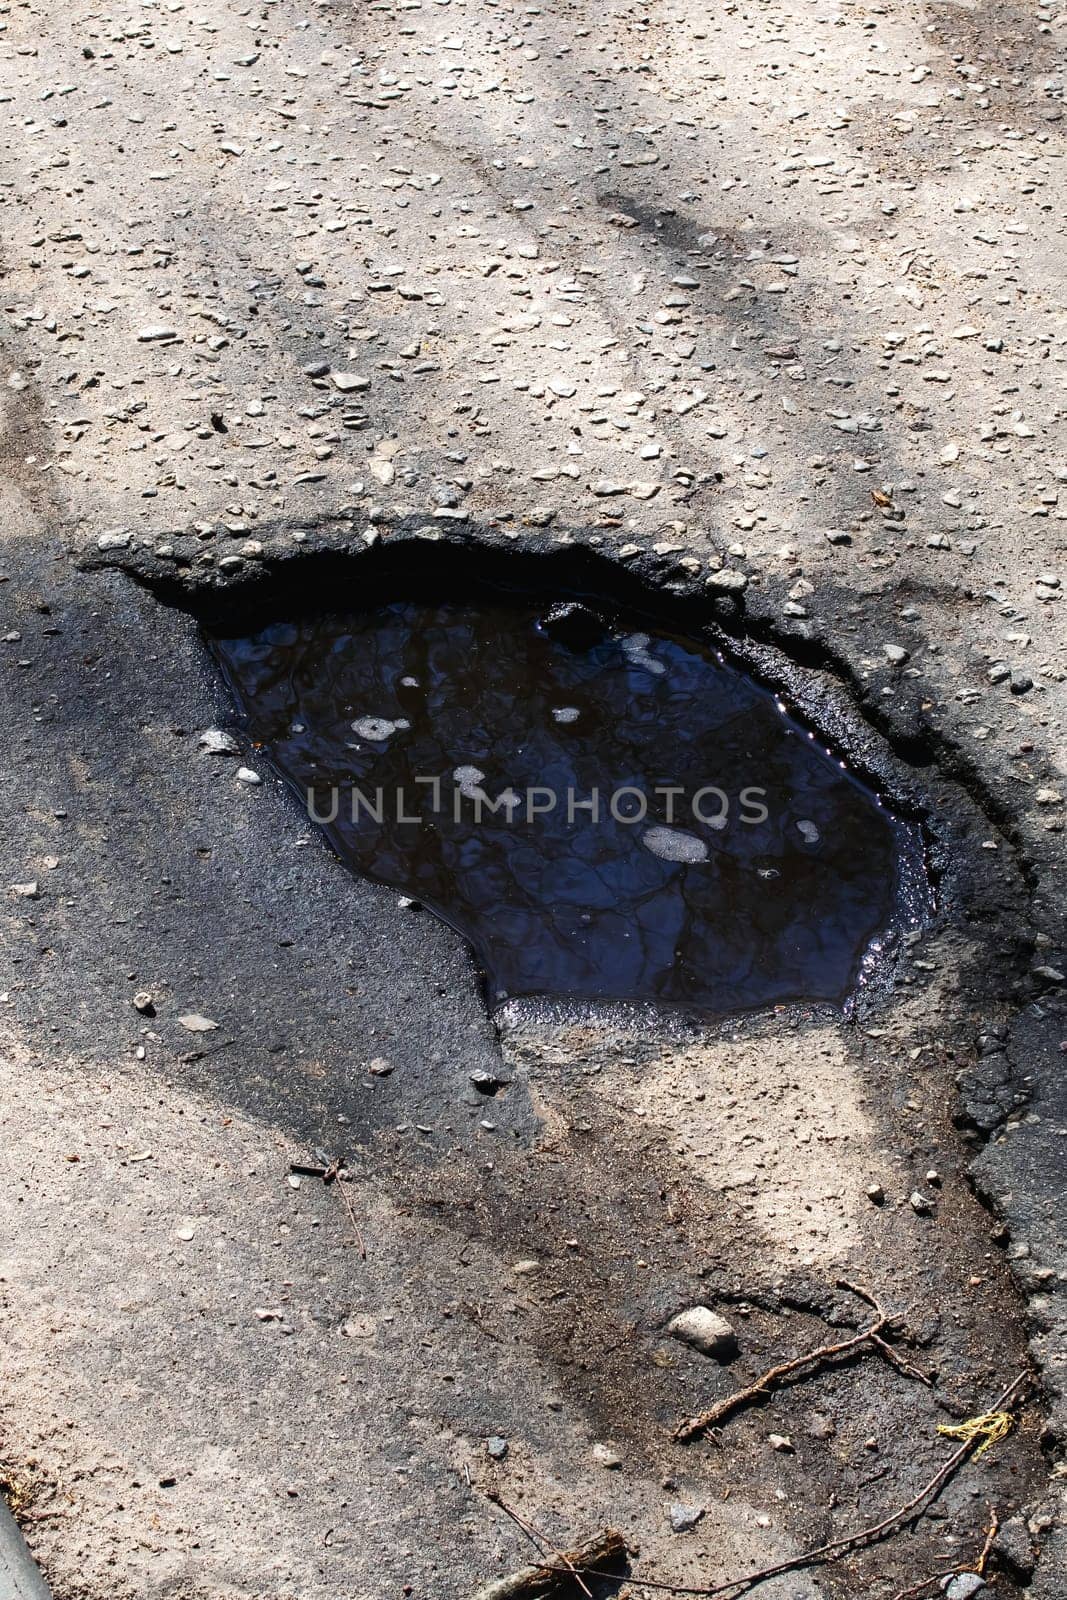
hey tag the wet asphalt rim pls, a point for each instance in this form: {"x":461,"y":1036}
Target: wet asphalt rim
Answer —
{"x":979,"y":874}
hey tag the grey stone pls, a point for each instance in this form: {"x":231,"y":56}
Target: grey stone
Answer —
{"x":683,"y":1517}
{"x":963,"y":1586}
{"x":196,"y":1023}
{"x":349,"y":382}
{"x":704,"y":1330}
{"x":728,"y":581}
{"x":217,"y":742}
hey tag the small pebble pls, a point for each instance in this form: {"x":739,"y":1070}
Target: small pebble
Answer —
{"x":217,"y":742}
{"x":727,"y":581}
{"x":684,"y":1517}
{"x":704,"y":1330}
{"x":963,"y":1586}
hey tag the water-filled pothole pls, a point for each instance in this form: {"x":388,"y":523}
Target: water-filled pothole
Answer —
{"x":604,"y":811}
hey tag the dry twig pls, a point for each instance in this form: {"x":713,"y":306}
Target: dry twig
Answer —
{"x":991,"y":1533}
{"x":871,"y":1338}
{"x":335,"y":1172}
{"x":342,"y":1182}
{"x":595,"y":1558}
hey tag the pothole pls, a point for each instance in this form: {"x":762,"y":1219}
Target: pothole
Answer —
{"x":605,"y":810}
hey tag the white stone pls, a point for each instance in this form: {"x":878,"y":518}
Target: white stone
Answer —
{"x":704,"y":1330}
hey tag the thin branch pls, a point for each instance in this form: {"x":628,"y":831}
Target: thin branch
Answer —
{"x":895,"y":1359}
{"x":991,"y":1533}
{"x":693,"y":1427}
{"x":871,"y":1338}
{"x":342,"y":1183}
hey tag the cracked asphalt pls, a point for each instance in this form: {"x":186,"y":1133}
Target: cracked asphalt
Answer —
{"x":758,"y":313}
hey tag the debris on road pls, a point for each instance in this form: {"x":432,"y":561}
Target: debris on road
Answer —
{"x":871,"y":1337}
{"x":195,"y":1023}
{"x":604,"y":1555}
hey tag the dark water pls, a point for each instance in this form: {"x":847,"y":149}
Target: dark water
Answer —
{"x":783,"y":888}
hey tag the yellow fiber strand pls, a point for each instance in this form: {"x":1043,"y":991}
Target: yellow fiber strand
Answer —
{"x":990,"y":1427}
